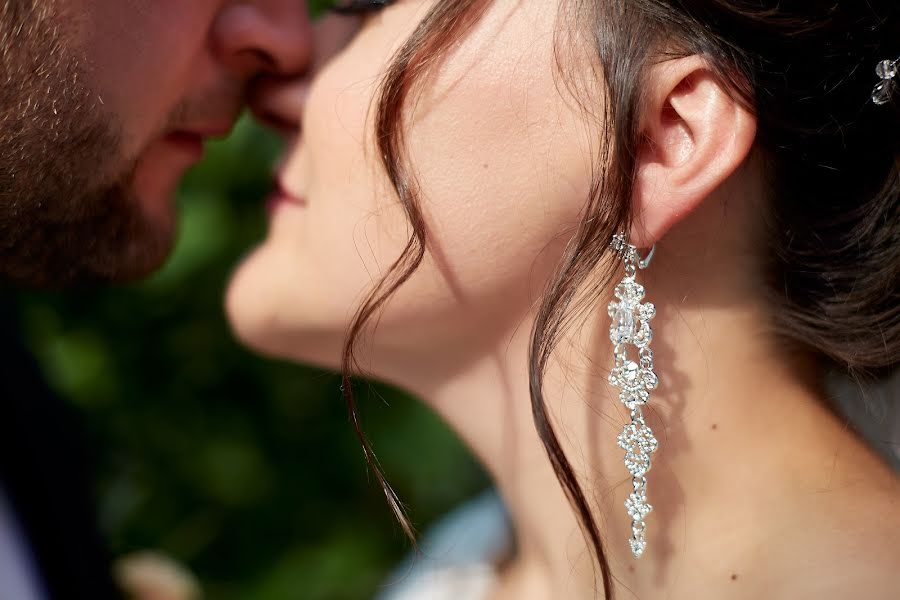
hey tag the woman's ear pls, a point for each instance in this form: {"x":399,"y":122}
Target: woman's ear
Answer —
{"x":694,"y":137}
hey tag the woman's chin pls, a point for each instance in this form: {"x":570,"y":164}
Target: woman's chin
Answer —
{"x":265,"y":319}
{"x":251,"y":321}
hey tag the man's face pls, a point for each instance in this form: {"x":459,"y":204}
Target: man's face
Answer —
{"x":103,"y":106}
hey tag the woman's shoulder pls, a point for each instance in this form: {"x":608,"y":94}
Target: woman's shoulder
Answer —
{"x":873,"y":576}
{"x":854,"y":555}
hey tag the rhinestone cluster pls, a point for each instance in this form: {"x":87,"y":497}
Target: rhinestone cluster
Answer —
{"x":887,"y":71}
{"x":635,"y":379}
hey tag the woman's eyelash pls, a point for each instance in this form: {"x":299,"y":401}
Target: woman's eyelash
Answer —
{"x":358,"y":7}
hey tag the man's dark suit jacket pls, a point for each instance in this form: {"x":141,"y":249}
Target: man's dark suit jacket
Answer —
{"x":43,"y":470}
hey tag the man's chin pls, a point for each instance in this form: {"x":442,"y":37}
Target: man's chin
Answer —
{"x":143,"y":257}
{"x":51,"y":275}
{"x":110,"y":239}
{"x":129,"y":248}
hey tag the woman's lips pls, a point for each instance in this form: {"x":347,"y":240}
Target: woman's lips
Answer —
{"x":281,"y":197}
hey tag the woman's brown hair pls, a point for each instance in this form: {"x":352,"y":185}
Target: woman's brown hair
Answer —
{"x":832,"y":161}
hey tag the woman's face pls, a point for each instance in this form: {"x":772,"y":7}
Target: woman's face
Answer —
{"x":503,"y":156}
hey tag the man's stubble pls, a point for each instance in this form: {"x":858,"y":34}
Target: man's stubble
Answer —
{"x":66,"y":215}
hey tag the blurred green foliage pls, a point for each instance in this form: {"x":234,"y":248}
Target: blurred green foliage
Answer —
{"x":244,"y":469}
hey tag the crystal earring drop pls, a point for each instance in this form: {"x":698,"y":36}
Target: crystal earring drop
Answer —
{"x":635,"y":378}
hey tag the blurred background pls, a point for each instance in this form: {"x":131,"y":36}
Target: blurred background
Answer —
{"x":245,"y":470}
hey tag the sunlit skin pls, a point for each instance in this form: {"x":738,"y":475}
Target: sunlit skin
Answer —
{"x":758,"y":491}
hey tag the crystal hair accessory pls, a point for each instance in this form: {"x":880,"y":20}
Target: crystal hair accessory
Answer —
{"x":889,"y":73}
{"x":635,"y":379}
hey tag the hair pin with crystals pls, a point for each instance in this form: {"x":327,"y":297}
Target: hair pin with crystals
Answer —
{"x":888,"y":71}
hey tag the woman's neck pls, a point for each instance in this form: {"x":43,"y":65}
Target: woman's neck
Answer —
{"x":746,"y":447}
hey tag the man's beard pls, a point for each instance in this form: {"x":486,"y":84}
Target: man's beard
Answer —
{"x":66,"y":215}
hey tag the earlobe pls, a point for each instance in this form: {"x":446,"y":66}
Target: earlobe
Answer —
{"x":695,"y":135}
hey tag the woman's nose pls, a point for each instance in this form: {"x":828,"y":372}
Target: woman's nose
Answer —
{"x":278,"y":101}
{"x":256,"y":37}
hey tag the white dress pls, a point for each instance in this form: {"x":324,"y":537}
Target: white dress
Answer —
{"x":459,"y":555}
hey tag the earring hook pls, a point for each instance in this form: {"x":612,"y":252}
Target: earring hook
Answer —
{"x":629,"y":253}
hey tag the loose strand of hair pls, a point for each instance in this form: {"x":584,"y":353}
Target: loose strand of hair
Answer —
{"x":443,"y":24}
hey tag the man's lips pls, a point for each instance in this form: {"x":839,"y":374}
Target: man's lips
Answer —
{"x":192,"y":141}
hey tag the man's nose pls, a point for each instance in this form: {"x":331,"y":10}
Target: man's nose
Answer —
{"x":264,"y":36}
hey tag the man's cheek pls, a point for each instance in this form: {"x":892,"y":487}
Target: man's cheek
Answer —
{"x":141,"y":75}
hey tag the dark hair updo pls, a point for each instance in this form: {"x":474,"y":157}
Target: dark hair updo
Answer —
{"x":807,"y":70}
